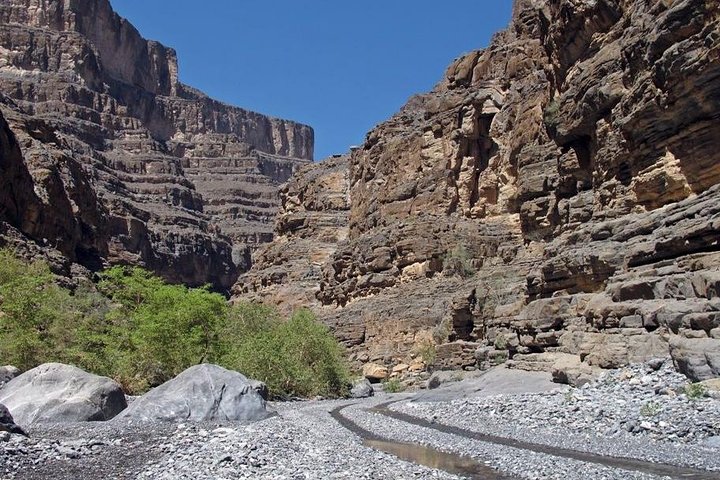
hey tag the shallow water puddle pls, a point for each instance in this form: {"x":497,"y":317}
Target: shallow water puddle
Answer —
{"x":658,"y":469}
{"x":420,"y":454}
{"x":429,"y":457}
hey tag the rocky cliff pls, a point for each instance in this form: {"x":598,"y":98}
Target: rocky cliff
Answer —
{"x":108,"y":158}
{"x":553,"y":202}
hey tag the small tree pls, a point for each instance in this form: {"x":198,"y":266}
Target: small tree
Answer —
{"x":457,"y":262}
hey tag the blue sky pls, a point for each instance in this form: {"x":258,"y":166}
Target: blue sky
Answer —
{"x":339,"y":66}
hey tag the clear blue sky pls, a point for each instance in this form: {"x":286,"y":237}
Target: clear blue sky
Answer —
{"x":339,"y":66}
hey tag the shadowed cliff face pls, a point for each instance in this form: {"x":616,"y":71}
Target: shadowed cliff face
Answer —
{"x":115,"y":161}
{"x":553,"y":199}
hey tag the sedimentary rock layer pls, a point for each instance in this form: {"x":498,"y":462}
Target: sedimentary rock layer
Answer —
{"x":116,"y":161}
{"x":553,"y":199}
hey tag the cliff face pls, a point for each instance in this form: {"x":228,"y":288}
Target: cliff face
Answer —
{"x":553,"y":199}
{"x":124,"y":163}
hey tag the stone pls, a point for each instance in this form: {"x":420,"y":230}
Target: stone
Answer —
{"x":7,"y":373}
{"x":7,"y":422}
{"x":502,"y":210}
{"x":375,"y":372}
{"x":699,"y":359}
{"x":416,"y":367}
{"x":260,"y":387}
{"x":201,"y":393}
{"x":362,"y":389}
{"x":57,"y":393}
{"x":400,"y":368}
{"x":114,"y":160}
{"x":569,"y":369}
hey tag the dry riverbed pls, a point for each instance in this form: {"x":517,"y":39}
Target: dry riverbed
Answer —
{"x":637,"y":413}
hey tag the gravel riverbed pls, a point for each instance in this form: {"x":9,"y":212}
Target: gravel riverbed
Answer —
{"x":639,"y":412}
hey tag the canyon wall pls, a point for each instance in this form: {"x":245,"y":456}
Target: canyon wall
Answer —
{"x":553,"y":203}
{"x":113,"y":160}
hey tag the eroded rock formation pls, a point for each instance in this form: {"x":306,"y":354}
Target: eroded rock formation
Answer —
{"x":554,"y":199}
{"x":108,"y":158}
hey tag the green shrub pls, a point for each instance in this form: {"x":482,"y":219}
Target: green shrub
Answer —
{"x":550,"y":114}
{"x":427,"y":352}
{"x":441,"y":332}
{"x":458,"y":262}
{"x":501,"y":342}
{"x":28,"y":299}
{"x":160,"y":329}
{"x":141,"y":331}
{"x":650,"y":409}
{"x":393,"y":386}
{"x":695,"y":391}
{"x":299,"y":357}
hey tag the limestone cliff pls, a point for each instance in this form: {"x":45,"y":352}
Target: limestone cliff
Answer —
{"x":554,"y":199}
{"x":115,"y":161}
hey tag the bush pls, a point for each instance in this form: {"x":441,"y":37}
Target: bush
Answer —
{"x":299,"y":357}
{"x":551,"y":113}
{"x":29,"y":304}
{"x":393,"y":386}
{"x":427,"y":352}
{"x":650,"y":409}
{"x":160,"y":329}
{"x":457,"y":262}
{"x":141,"y":331}
{"x":695,"y":391}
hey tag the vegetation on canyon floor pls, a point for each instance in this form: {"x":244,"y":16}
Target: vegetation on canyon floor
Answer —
{"x":141,"y":331}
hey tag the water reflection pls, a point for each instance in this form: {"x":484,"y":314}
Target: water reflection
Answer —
{"x":432,"y":458}
{"x":420,"y":454}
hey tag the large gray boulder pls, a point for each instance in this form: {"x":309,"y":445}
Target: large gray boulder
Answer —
{"x":54,"y":393}
{"x":202,"y":392}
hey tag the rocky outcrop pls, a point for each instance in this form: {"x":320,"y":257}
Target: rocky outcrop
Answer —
{"x":57,"y":393}
{"x":311,"y":222}
{"x":556,"y":194}
{"x":201,"y":393}
{"x":115,"y":161}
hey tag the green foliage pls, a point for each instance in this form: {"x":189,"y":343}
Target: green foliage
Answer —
{"x":27,"y":300}
{"x":695,"y":391}
{"x":458,"y":262}
{"x":160,"y":329}
{"x":441,"y":332}
{"x":393,"y":386}
{"x":138,"y":329}
{"x":650,"y":409}
{"x":550,"y":114}
{"x":501,"y":342}
{"x":427,"y":352}
{"x":299,"y":357}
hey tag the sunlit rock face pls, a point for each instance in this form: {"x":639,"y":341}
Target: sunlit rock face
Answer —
{"x":556,"y":193}
{"x":113,"y":160}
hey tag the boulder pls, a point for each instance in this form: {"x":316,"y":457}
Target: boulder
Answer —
{"x":696,"y":358}
{"x":571,"y":370}
{"x":55,"y":393}
{"x":200,"y":393}
{"x":7,"y":423}
{"x":375,"y":372}
{"x":7,"y":373}
{"x":260,"y":387}
{"x":441,"y":377}
{"x":362,"y":389}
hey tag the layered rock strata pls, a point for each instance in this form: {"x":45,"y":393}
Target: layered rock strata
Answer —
{"x":554,"y":199}
{"x":108,"y":158}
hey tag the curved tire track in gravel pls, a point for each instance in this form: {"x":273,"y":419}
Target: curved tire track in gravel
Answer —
{"x":612,"y":462}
